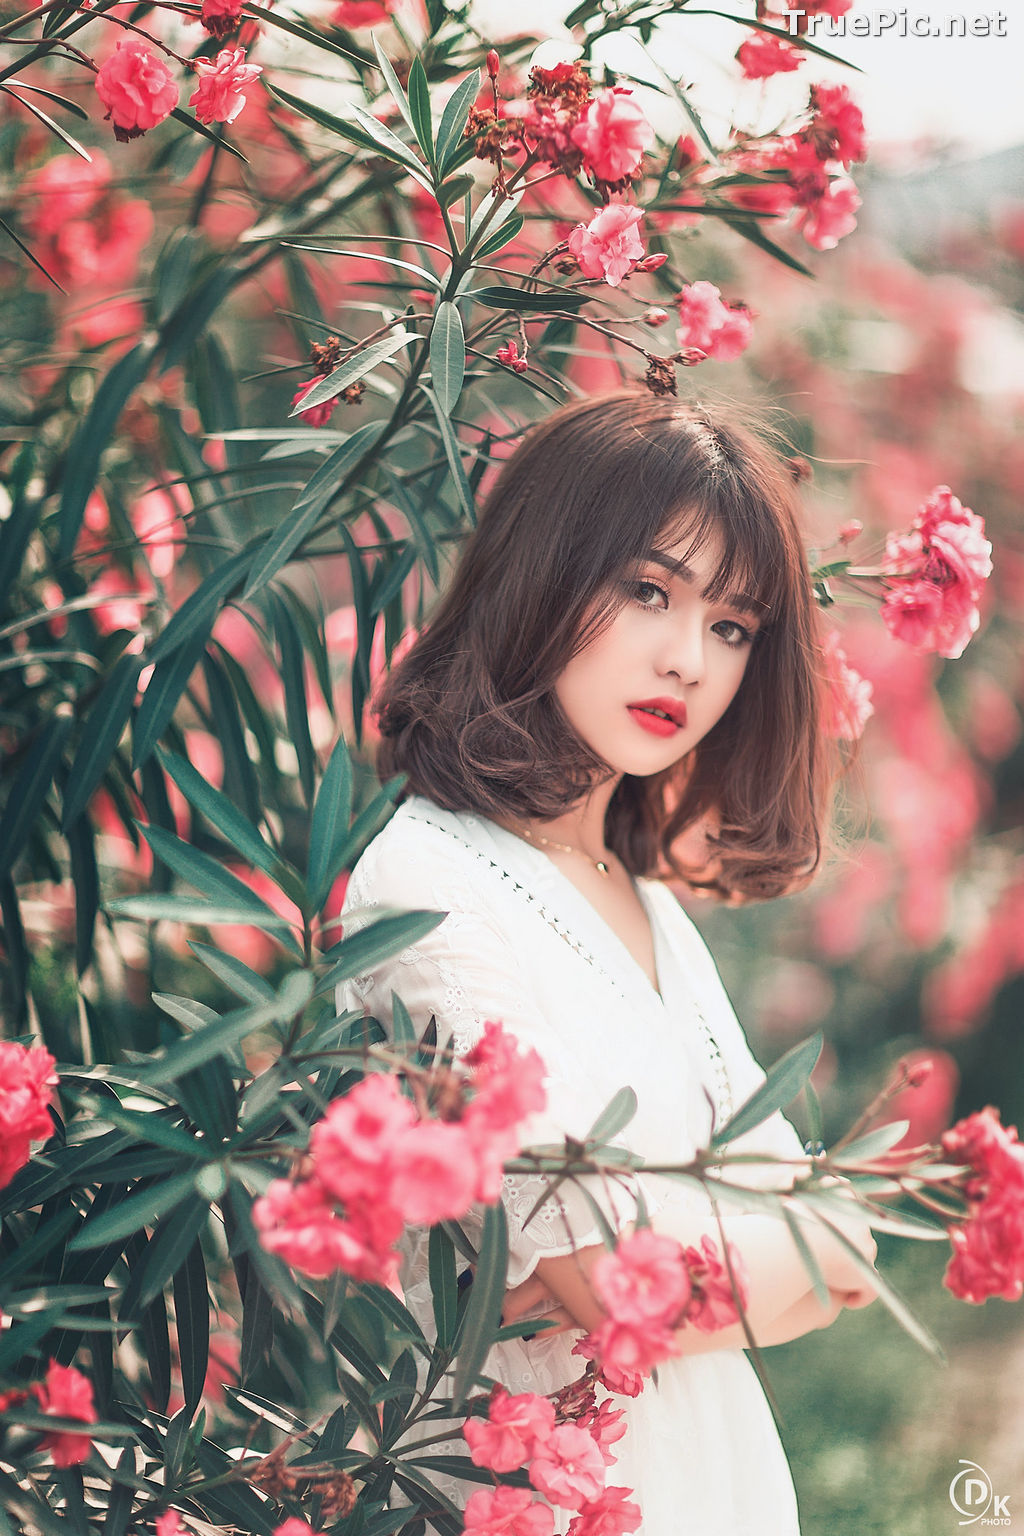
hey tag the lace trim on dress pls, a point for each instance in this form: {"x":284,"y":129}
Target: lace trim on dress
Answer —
{"x":722,"y":1095}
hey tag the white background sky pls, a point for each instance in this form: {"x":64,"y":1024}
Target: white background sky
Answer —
{"x":967,"y":92}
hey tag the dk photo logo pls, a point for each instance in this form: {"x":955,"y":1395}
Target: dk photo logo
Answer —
{"x":973,"y":1497}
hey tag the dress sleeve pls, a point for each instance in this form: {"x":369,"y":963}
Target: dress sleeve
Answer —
{"x":464,"y":973}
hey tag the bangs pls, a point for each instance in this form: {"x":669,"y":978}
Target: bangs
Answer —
{"x":752,"y":556}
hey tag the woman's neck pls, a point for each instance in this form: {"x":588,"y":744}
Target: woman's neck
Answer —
{"x":582,"y":826}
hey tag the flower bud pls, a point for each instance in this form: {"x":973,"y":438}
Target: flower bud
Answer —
{"x":654,"y":316}
{"x":651,"y":263}
{"x":492,"y":63}
{"x":849,"y":531}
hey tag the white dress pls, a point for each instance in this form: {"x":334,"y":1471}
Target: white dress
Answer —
{"x":522,"y":945}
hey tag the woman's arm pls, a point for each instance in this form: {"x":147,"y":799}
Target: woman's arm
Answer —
{"x":781,"y":1303}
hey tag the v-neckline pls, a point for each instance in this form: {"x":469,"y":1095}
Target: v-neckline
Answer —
{"x":586,"y":912}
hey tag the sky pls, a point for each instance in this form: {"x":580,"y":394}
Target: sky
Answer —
{"x":964,"y":92}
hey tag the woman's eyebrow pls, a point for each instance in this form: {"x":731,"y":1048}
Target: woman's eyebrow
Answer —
{"x":742,"y":600}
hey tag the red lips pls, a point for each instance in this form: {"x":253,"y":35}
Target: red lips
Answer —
{"x":674,"y":708}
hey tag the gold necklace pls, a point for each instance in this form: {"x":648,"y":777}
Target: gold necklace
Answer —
{"x":549,"y":842}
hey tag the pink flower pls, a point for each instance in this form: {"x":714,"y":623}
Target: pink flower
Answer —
{"x":295,"y":1527}
{"x":833,"y":8}
{"x":713,"y":1304}
{"x":713,"y":327}
{"x":988,"y":1248}
{"x":168,"y":1524}
{"x":508,"y":356}
{"x":433,"y":1173}
{"x":935,"y":575}
{"x":644,"y":1280}
{"x":297,"y":1220}
{"x":507,"y":1512}
{"x":317,"y":415}
{"x":829,"y":213}
{"x":612,"y":134}
{"x":362,"y":13}
{"x":763,"y":55}
{"x":66,"y":1394}
{"x":613,"y":1514}
{"x":220,"y":94}
{"x":508,"y":1082}
{"x":27,"y":1080}
{"x":609,"y":245}
{"x":221,"y":17}
{"x":568,"y":1467}
{"x":512,"y":1431}
{"x":607,"y":1425}
{"x":353,"y":1144}
{"x":837,"y":127}
{"x":137,"y":89}
{"x":849,"y":693}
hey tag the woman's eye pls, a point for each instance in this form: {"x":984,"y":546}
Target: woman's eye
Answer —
{"x":649,"y":595}
{"x":733,"y":633}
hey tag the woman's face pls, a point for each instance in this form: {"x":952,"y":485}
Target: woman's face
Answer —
{"x":667,"y":651}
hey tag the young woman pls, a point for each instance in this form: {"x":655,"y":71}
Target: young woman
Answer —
{"x":622,"y":682}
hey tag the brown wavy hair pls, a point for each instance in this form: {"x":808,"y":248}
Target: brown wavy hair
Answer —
{"x":470,"y":714}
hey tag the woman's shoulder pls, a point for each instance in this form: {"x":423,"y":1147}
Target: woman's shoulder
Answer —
{"x":423,"y":856}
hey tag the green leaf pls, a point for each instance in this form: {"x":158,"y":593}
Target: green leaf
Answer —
{"x":192,"y":1316}
{"x":235,"y":828}
{"x":874,"y":1143}
{"x":234,"y":973}
{"x":211,"y":879}
{"x":483,"y":1314}
{"x":314,"y":498}
{"x":166,"y":686}
{"x":447,"y":355}
{"x":453,"y":455}
{"x":100,"y":736}
{"x":780,"y":1088}
{"x":197,"y":613}
{"x":449,"y":192}
{"x":29,"y":790}
{"x":86,"y":880}
{"x":206,"y":1044}
{"x":367,"y":948}
{"x":140,"y":1209}
{"x":328,"y":833}
{"x":419,"y":107}
{"x":354,"y":368}
{"x":500,"y":237}
{"x":614,"y":1117}
{"x":92,"y":437}
{"x":148,"y":1126}
{"x":394,"y":85}
{"x":188,"y":909}
{"x":444,"y":1289}
{"x":369,"y":822}
{"x":520,"y":299}
{"x":751,"y":230}
{"x":296,"y":707}
{"x":21,"y":523}
{"x":808,"y":1259}
{"x":172,"y":1239}
{"x":454,"y":117}
{"x":240,"y":783}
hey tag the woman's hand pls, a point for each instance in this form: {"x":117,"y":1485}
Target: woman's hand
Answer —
{"x":522,"y":1299}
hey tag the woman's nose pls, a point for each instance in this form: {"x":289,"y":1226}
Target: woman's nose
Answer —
{"x":684,"y":654}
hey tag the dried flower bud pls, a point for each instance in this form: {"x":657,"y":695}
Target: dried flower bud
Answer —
{"x":660,"y":377}
{"x":492,"y":63}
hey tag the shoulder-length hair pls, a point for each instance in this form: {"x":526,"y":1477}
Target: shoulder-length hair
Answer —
{"x":470,"y":713}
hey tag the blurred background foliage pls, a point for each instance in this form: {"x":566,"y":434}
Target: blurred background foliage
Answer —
{"x":196,"y":594}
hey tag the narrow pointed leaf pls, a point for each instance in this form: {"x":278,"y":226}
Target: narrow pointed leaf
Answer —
{"x":394,"y":85}
{"x":329,"y":828}
{"x":139,"y":1210}
{"x":444,"y":1290}
{"x":30,"y":788}
{"x":166,"y":686}
{"x":353,"y":369}
{"x":200,"y":609}
{"x":616,"y":1115}
{"x":453,"y":118}
{"x":86,"y":880}
{"x":483,"y":1314}
{"x":419,"y":107}
{"x":376,"y":942}
{"x":210,"y":878}
{"x":234,"y":973}
{"x":780,"y":1088}
{"x":315,"y":497}
{"x":192,"y":1315}
{"x":235,"y":828}
{"x":92,"y":437}
{"x":453,"y":455}
{"x":104,"y":725}
{"x":447,"y":355}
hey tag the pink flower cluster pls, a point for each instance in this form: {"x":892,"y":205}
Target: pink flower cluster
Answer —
{"x":650,"y":1287}
{"x":566,"y":1462}
{"x":376,"y":1164}
{"x":849,"y":693}
{"x":66,"y":1394}
{"x":763,"y":55}
{"x":612,"y":134}
{"x":935,"y":575}
{"x":27,"y":1080}
{"x":803,"y":169}
{"x":988,"y":1248}
{"x":710,"y":327}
